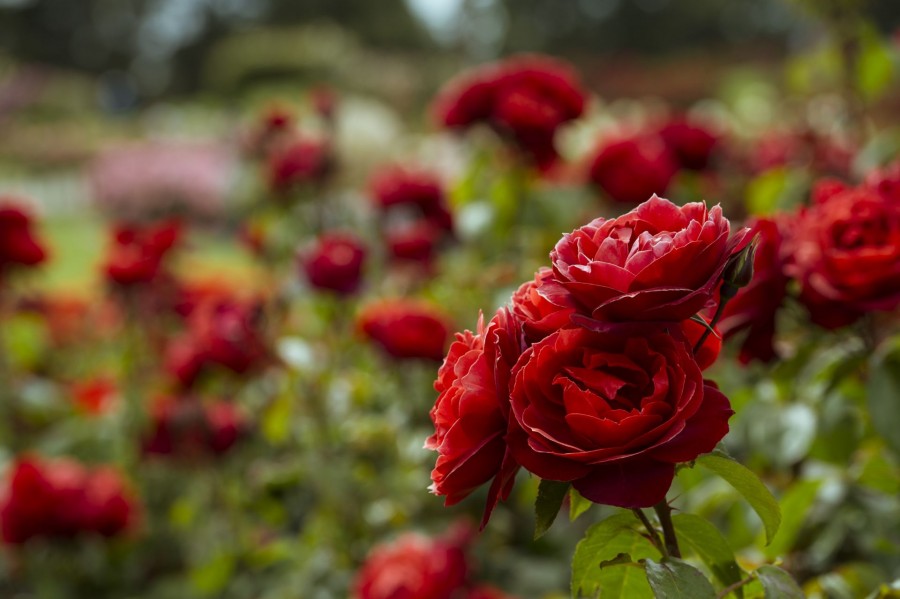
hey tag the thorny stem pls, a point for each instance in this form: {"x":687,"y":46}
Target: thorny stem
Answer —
{"x":665,"y":519}
{"x":654,"y":534}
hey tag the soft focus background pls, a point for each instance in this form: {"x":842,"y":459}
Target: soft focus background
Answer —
{"x":115,"y":111}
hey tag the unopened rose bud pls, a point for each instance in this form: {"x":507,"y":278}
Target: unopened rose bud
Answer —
{"x":738,"y":271}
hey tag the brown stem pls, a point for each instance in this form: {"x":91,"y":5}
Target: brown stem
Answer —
{"x":665,"y":519}
{"x":651,"y":530}
{"x":733,"y":587}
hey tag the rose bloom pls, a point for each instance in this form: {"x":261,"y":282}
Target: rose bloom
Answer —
{"x":397,"y":186}
{"x":845,"y":252}
{"x":471,"y":413}
{"x":692,"y":145}
{"x":414,"y":242}
{"x":18,"y":244}
{"x":613,"y":412}
{"x":886,"y":181}
{"x":335,"y":263}
{"x":405,"y":328}
{"x":659,"y":262}
{"x":188,"y":428}
{"x":755,"y":306}
{"x":61,"y":498}
{"x":413,"y":567}
{"x":631,"y":169}
{"x":298,"y":162}
{"x":539,"y":316}
{"x":525,"y":99}
{"x":136,"y":252}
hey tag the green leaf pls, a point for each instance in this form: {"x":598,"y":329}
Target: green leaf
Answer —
{"x":674,"y":579}
{"x":604,"y":542}
{"x":707,"y":542}
{"x":551,"y":494}
{"x":577,"y":504}
{"x":795,"y":506}
{"x":212,"y":577}
{"x":884,"y":391}
{"x":778,"y":583}
{"x":765,"y":191}
{"x":749,"y":486}
{"x":874,"y":68}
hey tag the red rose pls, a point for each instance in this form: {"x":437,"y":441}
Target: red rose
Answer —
{"x":188,"y":428}
{"x":613,"y":412}
{"x":18,"y":244}
{"x":136,"y":253}
{"x":846,"y":254}
{"x":691,"y":144}
{"x":405,"y":329}
{"x":524,"y":99}
{"x":396,"y":186}
{"x":412,"y":567}
{"x":539,"y":317}
{"x":471,"y":413}
{"x":335,"y":263}
{"x":630,"y":170}
{"x":299,"y":162}
{"x":754,"y":307}
{"x":658,"y":262}
{"x":61,"y":498}
{"x":886,"y":181}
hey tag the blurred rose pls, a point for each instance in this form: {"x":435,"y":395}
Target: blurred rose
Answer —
{"x":61,"y":498}
{"x":755,"y":307}
{"x":302,"y":161}
{"x":189,"y":428}
{"x":525,"y":99}
{"x":471,"y":413}
{"x":397,"y":186}
{"x":95,"y":395}
{"x":659,"y":262}
{"x":136,"y":253}
{"x":692,"y":144}
{"x":886,"y":181}
{"x":415,"y":242}
{"x":413,"y":567}
{"x":405,"y":328}
{"x":632,"y":169}
{"x":19,"y":245}
{"x":845,"y":252}
{"x":335,"y":263}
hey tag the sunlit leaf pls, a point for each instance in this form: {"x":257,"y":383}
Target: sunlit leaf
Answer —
{"x":674,"y":579}
{"x":778,"y":583}
{"x":577,"y":504}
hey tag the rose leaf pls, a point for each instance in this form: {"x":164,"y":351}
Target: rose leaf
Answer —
{"x":551,"y":494}
{"x":778,"y":584}
{"x":674,"y":579}
{"x":709,"y":545}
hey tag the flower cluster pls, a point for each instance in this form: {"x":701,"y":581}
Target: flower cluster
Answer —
{"x":524,"y":99}
{"x":62,"y":498}
{"x":842,"y":250}
{"x":593,"y":374}
{"x":415,"y":566}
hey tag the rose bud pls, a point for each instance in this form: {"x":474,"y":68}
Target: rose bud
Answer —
{"x":405,"y":328}
{"x":335,"y":263}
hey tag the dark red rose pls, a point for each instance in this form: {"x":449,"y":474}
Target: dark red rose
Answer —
{"x":61,"y":498}
{"x":886,"y":181}
{"x":335,"y":263}
{"x":405,"y":328}
{"x":524,"y":99}
{"x":755,"y":306}
{"x":632,"y":169}
{"x":613,"y":412}
{"x":845,"y":253}
{"x":414,"y":242}
{"x":413,"y":567}
{"x":18,"y":243}
{"x":137,"y":252}
{"x":539,"y":317}
{"x":658,"y":262}
{"x":397,"y":186}
{"x":188,"y":428}
{"x":471,"y":413}
{"x":298,"y":162}
{"x":691,"y":144}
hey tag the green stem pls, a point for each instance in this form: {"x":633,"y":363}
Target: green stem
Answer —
{"x":733,"y":587}
{"x":712,"y":324}
{"x":651,"y":530}
{"x":664,"y":511}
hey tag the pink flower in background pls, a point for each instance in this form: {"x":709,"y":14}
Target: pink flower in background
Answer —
{"x":150,"y":179}
{"x":525,"y":99}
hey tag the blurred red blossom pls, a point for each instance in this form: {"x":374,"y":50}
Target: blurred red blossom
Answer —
{"x":334,"y":263}
{"x":62,"y":498}
{"x":298,"y":162}
{"x":631,"y":169}
{"x":692,"y":144}
{"x":95,"y":395}
{"x":137,"y":251}
{"x":405,"y":328}
{"x":19,"y":245}
{"x":525,"y":99}
{"x":189,"y":428}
